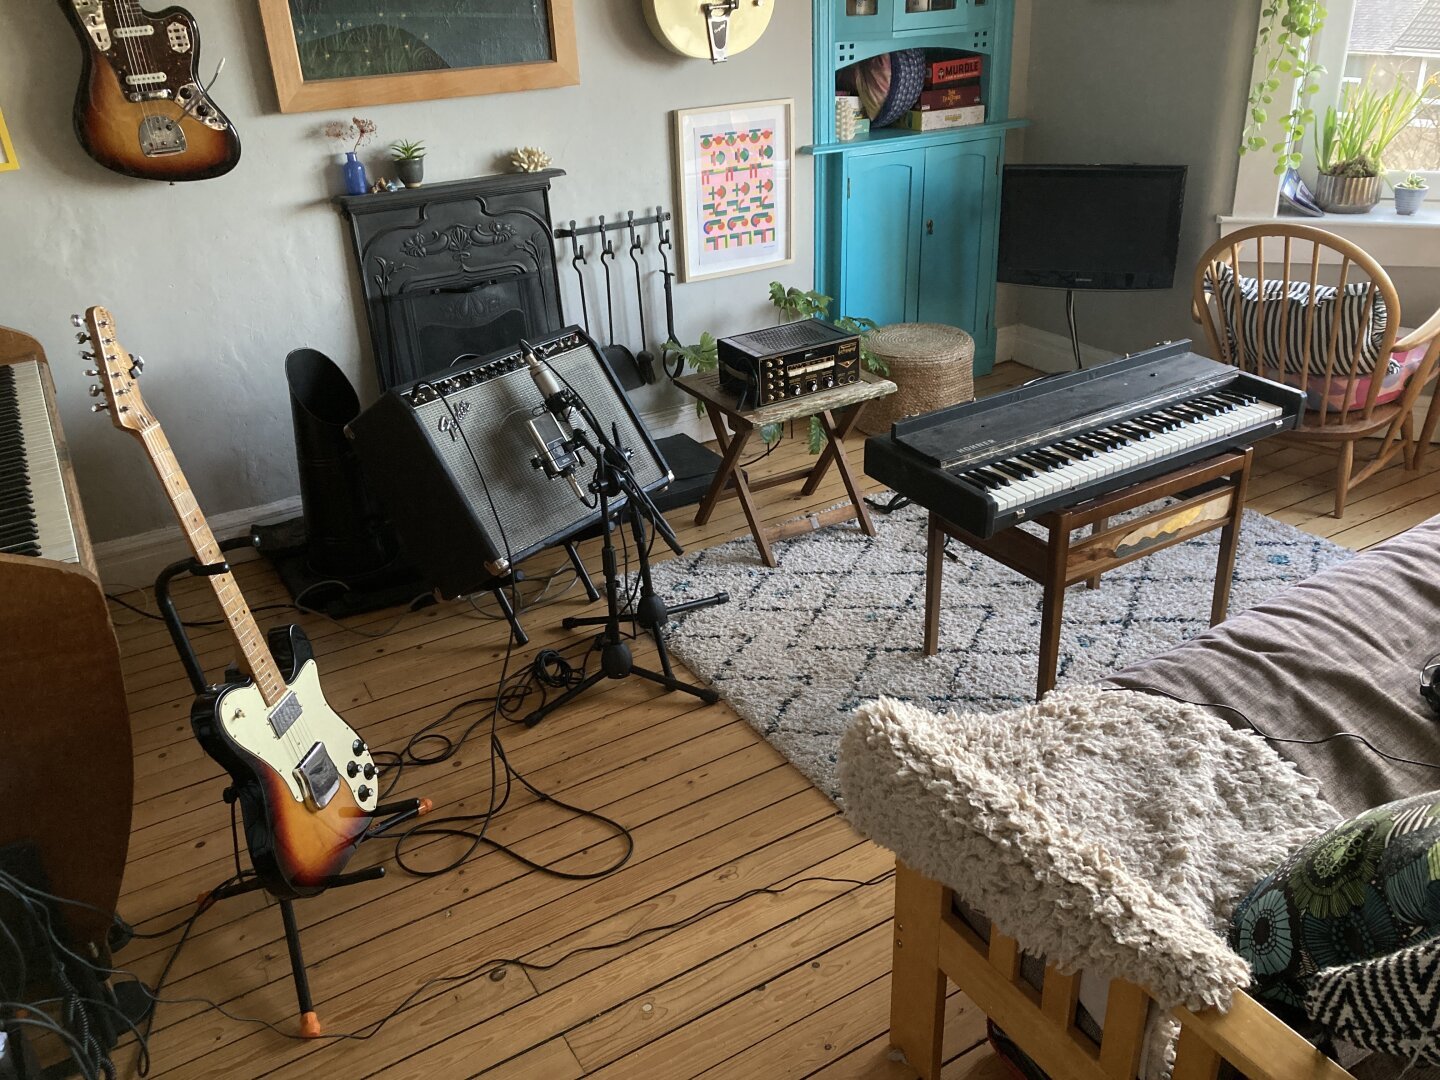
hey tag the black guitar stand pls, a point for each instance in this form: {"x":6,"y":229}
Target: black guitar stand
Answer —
{"x":394,"y":814}
{"x":614,"y":477}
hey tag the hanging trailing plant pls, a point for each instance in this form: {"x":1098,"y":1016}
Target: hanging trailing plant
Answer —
{"x":1287,"y":28}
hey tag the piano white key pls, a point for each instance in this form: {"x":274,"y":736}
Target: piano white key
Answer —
{"x":47,"y":488}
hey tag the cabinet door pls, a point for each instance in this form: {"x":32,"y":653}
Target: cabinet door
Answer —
{"x":936,"y":14}
{"x":957,"y":247}
{"x":883,"y":194}
{"x":864,"y":19}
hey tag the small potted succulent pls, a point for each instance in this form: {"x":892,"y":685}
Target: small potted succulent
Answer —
{"x":1409,"y":194}
{"x":409,"y":160}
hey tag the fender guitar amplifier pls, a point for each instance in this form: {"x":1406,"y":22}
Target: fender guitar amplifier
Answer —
{"x":450,"y":457}
{"x":790,"y":360}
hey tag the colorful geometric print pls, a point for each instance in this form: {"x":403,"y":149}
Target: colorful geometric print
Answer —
{"x":737,"y":187}
{"x":1364,"y":889}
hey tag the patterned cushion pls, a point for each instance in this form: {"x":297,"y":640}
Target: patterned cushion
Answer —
{"x":1390,"y":1004}
{"x":1284,"y":309}
{"x":1360,"y":890}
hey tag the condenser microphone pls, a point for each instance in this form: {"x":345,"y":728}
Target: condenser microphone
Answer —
{"x":553,"y":431}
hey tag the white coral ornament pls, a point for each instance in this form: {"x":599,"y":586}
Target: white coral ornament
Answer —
{"x":530,"y":159}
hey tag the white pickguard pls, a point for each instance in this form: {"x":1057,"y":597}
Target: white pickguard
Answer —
{"x":245,"y":718}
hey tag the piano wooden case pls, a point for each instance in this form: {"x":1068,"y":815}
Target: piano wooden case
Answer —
{"x":66,"y":776}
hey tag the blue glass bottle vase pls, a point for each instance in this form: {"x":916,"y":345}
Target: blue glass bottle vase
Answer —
{"x":356,"y":182}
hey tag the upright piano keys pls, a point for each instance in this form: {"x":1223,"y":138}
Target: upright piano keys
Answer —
{"x":66,"y":772}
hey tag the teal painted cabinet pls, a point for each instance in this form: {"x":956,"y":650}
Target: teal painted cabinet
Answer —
{"x":906,"y":223}
{"x":914,"y":240}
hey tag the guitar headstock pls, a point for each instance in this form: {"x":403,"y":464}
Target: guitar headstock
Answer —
{"x":118,"y":371}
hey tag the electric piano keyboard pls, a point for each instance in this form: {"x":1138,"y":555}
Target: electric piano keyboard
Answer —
{"x":1062,"y":440}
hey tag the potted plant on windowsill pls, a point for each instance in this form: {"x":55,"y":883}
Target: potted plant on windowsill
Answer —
{"x":1352,"y":141}
{"x":409,"y":160}
{"x":1409,"y":194}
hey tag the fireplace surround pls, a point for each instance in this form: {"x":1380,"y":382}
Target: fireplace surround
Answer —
{"x":460,"y":268}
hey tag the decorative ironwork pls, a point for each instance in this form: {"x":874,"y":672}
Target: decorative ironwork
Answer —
{"x":458,"y":239}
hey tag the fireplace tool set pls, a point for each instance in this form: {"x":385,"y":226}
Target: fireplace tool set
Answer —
{"x":637,"y":367}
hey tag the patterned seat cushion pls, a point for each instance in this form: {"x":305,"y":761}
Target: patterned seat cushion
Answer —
{"x":1360,"y":890}
{"x":1284,"y":332}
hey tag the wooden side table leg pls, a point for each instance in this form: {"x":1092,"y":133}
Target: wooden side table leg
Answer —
{"x":836,"y":441}
{"x":844,"y":422}
{"x":1052,"y":609}
{"x":934,"y":581}
{"x":1098,"y":527}
{"x":742,"y":492}
{"x":730,"y":455}
{"x":1230,"y":543}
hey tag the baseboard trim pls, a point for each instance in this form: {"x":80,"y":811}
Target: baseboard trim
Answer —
{"x":135,"y":560}
{"x":1044,"y":351}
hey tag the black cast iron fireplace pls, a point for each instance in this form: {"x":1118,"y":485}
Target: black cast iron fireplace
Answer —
{"x":454,"y":269}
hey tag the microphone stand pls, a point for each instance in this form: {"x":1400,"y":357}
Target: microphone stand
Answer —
{"x":615,"y":477}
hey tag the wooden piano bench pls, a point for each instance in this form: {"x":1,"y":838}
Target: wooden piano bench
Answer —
{"x":838,"y":409}
{"x":1211,"y":496}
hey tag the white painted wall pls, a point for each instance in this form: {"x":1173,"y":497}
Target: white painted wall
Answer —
{"x":215,"y":282}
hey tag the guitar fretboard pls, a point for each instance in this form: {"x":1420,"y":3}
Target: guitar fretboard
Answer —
{"x":257,"y":660}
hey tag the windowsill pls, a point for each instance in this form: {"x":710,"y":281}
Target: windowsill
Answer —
{"x":1391,"y":239}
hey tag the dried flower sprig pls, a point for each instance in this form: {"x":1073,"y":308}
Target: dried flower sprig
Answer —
{"x":359,"y":131}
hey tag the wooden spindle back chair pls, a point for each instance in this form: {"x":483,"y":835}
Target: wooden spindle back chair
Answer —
{"x":1325,"y":348}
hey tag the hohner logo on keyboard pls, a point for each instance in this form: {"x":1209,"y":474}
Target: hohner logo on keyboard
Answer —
{"x":788,"y":361}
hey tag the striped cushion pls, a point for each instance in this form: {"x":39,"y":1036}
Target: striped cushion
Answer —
{"x":1354,"y":330}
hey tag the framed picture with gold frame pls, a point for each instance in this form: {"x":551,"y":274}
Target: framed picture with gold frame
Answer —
{"x":8,"y":160}
{"x":339,"y":54}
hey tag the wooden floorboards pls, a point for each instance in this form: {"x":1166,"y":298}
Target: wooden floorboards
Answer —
{"x":651,"y":971}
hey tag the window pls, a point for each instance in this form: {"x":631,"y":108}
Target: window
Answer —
{"x":1398,"y":41}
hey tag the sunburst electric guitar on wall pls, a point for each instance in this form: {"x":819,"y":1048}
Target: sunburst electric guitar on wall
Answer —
{"x":305,"y":780}
{"x":141,"y":109}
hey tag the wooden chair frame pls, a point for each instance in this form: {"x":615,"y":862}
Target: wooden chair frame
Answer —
{"x":932,"y":943}
{"x":1391,"y":422}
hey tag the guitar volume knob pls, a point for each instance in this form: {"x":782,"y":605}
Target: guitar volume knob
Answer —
{"x":364,"y":792}
{"x":358,"y":746}
{"x":353,"y":769}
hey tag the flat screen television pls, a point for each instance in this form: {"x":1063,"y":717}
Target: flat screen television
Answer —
{"x":1091,"y":226}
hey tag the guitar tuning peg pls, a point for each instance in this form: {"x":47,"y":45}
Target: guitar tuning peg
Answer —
{"x":101,"y":407}
{"x":86,"y":355}
{"x":137,"y":365}
{"x":77,"y":320}
{"x":96,"y":389}
{"x":92,"y":372}
{"x":82,"y":337}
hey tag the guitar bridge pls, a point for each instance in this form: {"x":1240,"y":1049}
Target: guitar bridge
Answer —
{"x":717,"y":27}
{"x":317,"y":776}
{"x":159,"y":136}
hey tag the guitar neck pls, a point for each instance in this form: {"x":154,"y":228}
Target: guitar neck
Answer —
{"x":257,"y":661}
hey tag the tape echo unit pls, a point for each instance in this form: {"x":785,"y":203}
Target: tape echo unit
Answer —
{"x":788,"y":361}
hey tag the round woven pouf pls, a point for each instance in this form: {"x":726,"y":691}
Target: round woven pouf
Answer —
{"x":932,"y":366}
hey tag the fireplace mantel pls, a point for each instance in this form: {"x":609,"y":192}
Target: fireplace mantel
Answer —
{"x":465,"y":266}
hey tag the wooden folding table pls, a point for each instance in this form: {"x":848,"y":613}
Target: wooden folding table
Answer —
{"x":838,"y":409}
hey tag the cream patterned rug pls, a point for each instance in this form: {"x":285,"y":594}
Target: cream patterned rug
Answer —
{"x":839,"y":622}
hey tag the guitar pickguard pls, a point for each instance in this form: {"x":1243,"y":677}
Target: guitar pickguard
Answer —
{"x":91,"y":14}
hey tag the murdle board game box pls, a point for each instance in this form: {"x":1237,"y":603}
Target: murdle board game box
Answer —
{"x":956,"y":69}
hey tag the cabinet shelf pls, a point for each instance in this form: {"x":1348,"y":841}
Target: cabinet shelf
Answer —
{"x":886,"y":139}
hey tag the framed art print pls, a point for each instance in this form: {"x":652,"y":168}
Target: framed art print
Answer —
{"x":734,"y":173}
{"x":332,"y":54}
{"x":8,"y":160}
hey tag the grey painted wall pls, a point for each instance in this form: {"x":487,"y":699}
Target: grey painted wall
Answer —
{"x":215,"y":281}
{"x":1155,"y":81}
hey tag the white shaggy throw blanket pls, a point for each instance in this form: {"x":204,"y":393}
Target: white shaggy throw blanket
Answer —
{"x":1108,"y":830}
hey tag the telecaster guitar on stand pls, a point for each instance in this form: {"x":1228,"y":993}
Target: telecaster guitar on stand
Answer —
{"x":305,"y":780}
{"x":141,"y":108}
